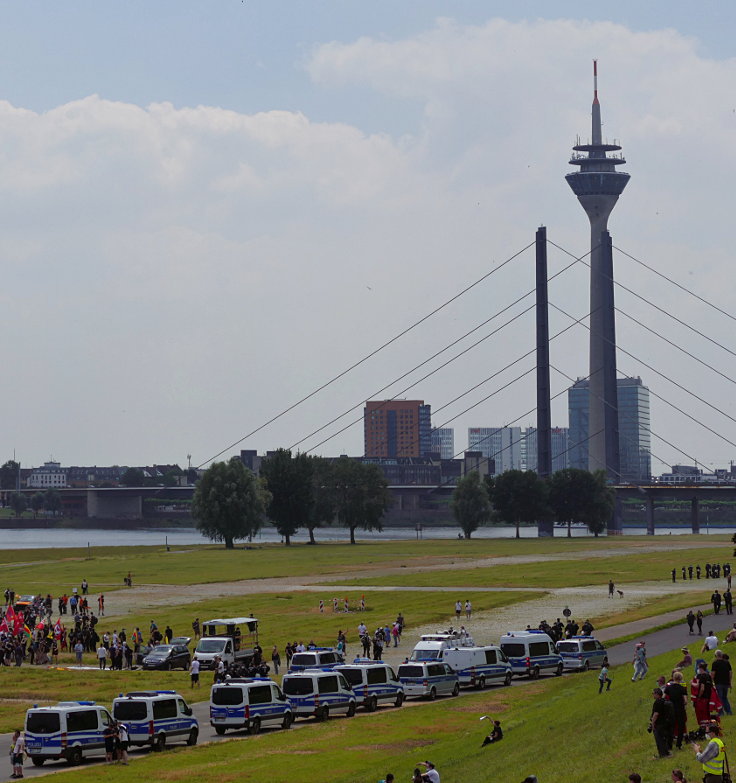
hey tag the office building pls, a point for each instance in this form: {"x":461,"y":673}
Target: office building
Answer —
{"x":443,"y":442}
{"x":397,"y":428}
{"x":634,"y":428}
{"x":559,"y":449}
{"x":501,"y":444}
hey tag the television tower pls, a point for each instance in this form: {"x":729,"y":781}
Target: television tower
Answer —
{"x":598,"y":185}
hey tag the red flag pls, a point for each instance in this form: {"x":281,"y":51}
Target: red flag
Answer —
{"x":18,"y":624}
{"x":4,"y":626}
{"x":10,"y":614}
{"x":58,"y":629}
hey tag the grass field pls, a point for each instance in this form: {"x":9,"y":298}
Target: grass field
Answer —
{"x":296,"y":616}
{"x":552,"y":728}
{"x":596,"y":570}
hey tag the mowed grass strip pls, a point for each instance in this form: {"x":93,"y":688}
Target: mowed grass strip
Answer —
{"x":295,"y":616}
{"x":550,"y":728}
{"x":578,"y":572}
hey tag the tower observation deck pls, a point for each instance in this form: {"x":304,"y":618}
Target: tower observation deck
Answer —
{"x":598,"y":184}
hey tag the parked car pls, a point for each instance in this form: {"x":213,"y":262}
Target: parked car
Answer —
{"x":168,"y":656}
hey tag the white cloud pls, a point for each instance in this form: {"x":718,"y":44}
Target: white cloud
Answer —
{"x":202,"y":269}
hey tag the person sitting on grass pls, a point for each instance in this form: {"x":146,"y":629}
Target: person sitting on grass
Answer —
{"x":495,"y":735}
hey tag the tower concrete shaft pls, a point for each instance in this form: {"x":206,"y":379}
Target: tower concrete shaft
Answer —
{"x":598,"y":185}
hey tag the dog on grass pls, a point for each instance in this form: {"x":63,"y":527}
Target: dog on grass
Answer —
{"x":620,"y":593}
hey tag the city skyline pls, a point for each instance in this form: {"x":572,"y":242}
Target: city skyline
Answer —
{"x":210,"y":213}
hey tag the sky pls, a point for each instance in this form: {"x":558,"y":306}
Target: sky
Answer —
{"x":210,"y":210}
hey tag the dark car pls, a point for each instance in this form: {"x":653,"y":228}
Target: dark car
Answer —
{"x":168,"y":656}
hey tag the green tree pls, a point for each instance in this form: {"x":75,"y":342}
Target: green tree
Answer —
{"x":18,"y":503}
{"x":323,"y":507}
{"x":37,"y":502}
{"x":470,"y":503}
{"x":518,"y":496}
{"x":9,"y":475}
{"x":52,"y":501}
{"x":289,"y":480}
{"x":580,"y":496}
{"x":133,"y":477}
{"x":360,"y":493}
{"x":229,"y":502}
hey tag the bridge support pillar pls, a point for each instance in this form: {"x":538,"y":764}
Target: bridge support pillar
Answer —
{"x":615,"y":524}
{"x":650,"y":516}
{"x":694,"y":515}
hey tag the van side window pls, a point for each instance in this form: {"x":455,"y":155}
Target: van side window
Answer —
{"x":166,"y":708}
{"x":81,"y":720}
{"x":538,"y":648}
{"x":392,"y":675}
{"x":276,"y":693}
{"x":327,"y":684}
{"x":105,"y":717}
{"x":490,"y":656}
{"x":588,"y":646}
{"x":327,"y":658}
{"x":599,"y":646}
{"x":260,"y":694}
{"x":376,"y":675}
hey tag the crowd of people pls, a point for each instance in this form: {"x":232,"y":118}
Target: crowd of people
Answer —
{"x":712,"y":571}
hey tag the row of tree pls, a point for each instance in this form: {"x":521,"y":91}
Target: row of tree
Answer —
{"x":50,"y":500}
{"x":519,"y":497}
{"x":294,"y":492}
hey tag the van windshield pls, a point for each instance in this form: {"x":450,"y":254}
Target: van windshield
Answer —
{"x":426,"y":655}
{"x":210,"y":646}
{"x":42,"y":722}
{"x":297,"y":686}
{"x":129,"y":710}
{"x":514,"y":650}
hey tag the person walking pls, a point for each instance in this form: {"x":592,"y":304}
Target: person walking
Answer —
{"x":715,"y":599}
{"x":722,"y":675}
{"x":194,"y":672}
{"x":676,"y":692}
{"x":690,"y":619}
{"x":17,"y":749}
{"x":640,"y":662}
{"x":604,"y":679}
{"x":728,"y":601}
{"x":275,"y":659}
{"x":102,"y":656}
{"x":699,"y":621}
{"x":611,"y":588}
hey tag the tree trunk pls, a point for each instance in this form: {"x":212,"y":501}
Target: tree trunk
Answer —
{"x":229,"y":543}
{"x":468,"y":533}
{"x":352,"y":535}
{"x":569,"y":528}
{"x":287,"y":539}
{"x":517,"y":529}
{"x":311,"y":535}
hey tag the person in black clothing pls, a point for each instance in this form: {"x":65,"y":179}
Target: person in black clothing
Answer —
{"x":697,"y":571}
{"x":715,"y":599}
{"x":690,"y":621}
{"x":676,"y":692}
{"x":728,"y":601}
{"x":690,"y":572}
{"x":722,"y":674}
{"x":707,"y":570}
{"x":495,"y":735}
{"x":661,"y":723}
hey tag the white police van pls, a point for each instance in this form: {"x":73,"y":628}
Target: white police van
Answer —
{"x":530,"y":652}
{"x":320,"y":693}
{"x":316,"y":658}
{"x":581,"y":652}
{"x":248,"y":703}
{"x":478,"y":666}
{"x":156,"y":718}
{"x":71,"y":730}
{"x":430,"y":680}
{"x":372,"y":682}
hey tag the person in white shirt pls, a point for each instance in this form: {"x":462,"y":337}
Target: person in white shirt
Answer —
{"x":711,"y":642}
{"x":194,"y":671}
{"x":362,"y":629}
{"x":18,"y":749}
{"x":431,"y":775}
{"x":102,"y":656}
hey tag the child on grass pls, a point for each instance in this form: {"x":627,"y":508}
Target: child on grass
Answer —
{"x":603,"y":678}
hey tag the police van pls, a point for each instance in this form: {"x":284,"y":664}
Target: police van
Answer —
{"x":530,"y":652}
{"x":581,"y":652}
{"x":430,"y":680}
{"x":320,"y":693}
{"x":71,"y":730}
{"x":316,"y":658}
{"x":248,"y":703}
{"x":372,"y":682}
{"x":156,"y":718}
{"x":478,"y":666}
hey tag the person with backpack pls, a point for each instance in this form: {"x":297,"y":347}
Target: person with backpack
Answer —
{"x":661,"y":723}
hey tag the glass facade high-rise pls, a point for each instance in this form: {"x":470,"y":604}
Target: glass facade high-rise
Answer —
{"x":634,"y":428}
{"x":443,"y":442}
{"x":502,"y":444}
{"x":559,"y":449}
